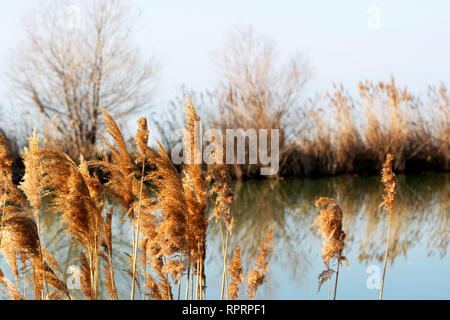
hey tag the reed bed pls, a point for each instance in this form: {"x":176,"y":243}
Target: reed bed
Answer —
{"x":344,"y":134}
{"x":166,"y":209}
{"x":338,"y":132}
{"x":169,"y":212}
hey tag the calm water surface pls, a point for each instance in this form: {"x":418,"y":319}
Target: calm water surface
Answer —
{"x":419,"y":267}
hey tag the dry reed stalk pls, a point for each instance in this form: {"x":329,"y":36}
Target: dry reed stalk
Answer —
{"x":225,"y":254}
{"x":195,"y":191}
{"x":108,"y":268}
{"x":75,"y":197}
{"x":258,"y":275}
{"x":388,"y":179}
{"x":33,"y":185}
{"x":33,"y":188}
{"x":136,"y":238}
{"x":166,"y":236}
{"x":122,"y":183}
{"x":218,"y":180}
{"x":329,"y":223}
{"x":186,"y":297}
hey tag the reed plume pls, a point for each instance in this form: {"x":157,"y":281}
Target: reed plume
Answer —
{"x":75,"y":196}
{"x":258,"y":274}
{"x":237,"y":277}
{"x":20,"y":221}
{"x":20,"y":238}
{"x":33,"y":188}
{"x":196,"y":197}
{"x":388,"y":179}
{"x":329,"y":224}
{"x":122,"y":182}
{"x":164,"y":226}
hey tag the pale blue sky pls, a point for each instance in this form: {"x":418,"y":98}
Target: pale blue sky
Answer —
{"x":412,"y":43}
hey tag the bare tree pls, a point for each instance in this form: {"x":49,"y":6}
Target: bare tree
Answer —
{"x":256,"y":90}
{"x":75,"y":60}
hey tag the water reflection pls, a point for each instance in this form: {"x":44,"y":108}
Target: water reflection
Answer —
{"x":420,"y":228}
{"x":420,"y":220}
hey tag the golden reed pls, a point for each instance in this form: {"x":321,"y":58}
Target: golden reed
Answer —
{"x":167,"y":212}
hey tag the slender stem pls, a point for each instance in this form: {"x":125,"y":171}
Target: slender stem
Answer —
{"x":25,"y":285}
{"x":225,"y":264}
{"x":44,"y":292}
{"x":179,"y":284}
{"x":94,"y":263}
{"x":386,"y":255}
{"x":187,"y":281}
{"x":192,"y":280}
{"x":136,"y":239}
{"x":201,"y":279}
{"x":91,"y":270}
{"x":111,"y":272}
{"x":1,"y":226}
{"x":224,"y":251}
{"x":197,"y":285}
{"x":337,"y":276}
{"x":329,"y":289}
{"x":179,"y":289}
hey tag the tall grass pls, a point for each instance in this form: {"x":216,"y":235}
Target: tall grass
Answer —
{"x":167,"y":211}
{"x":341,"y":131}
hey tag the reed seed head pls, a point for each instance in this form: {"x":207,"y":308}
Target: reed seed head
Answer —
{"x":388,"y":179}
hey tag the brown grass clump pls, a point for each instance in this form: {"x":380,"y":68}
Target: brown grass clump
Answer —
{"x":388,"y":179}
{"x":164,"y":234}
{"x":258,"y":274}
{"x":77,"y":202}
{"x":123,"y":184}
{"x":167,"y":213}
{"x":20,"y":236}
{"x":329,"y":224}
{"x":195,"y":190}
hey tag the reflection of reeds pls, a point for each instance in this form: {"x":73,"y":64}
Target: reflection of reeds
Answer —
{"x":258,"y":274}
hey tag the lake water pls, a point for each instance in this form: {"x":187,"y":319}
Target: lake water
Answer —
{"x":418,"y":268}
